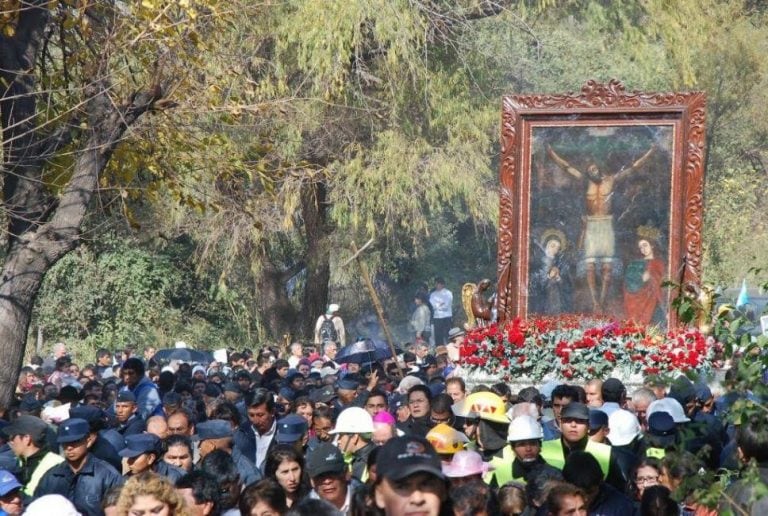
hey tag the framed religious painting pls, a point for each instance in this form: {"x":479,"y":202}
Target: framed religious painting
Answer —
{"x":601,"y":202}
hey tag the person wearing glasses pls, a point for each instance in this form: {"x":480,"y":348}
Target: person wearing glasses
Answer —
{"x":353,"y":436}
{"x":419,"y":399}
{"x":645,"y":474}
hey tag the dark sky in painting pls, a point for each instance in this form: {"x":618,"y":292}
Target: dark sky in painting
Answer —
{"x":558,"y":199}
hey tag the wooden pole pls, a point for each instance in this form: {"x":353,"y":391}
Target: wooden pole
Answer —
{"x":375,"y":299}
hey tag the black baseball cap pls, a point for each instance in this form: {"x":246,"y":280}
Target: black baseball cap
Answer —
{"x":403,"y":456}
{"x":597,"y":419}
{"x":613,"y":388}
{"x":323,"y":395}
{"x":172,"y":398}
{"x":27,"y":425}
{"x":326,"y":458}
{"x":212,"y":390}
{"x":575,"y":410}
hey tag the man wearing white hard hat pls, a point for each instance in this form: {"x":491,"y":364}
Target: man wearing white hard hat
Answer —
{"x":354,"y":434}
{"x":524,"y":436}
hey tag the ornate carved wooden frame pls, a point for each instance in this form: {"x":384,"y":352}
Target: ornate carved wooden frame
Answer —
{"x":599,"y":101}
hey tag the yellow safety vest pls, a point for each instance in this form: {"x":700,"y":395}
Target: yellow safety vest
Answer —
{"x":502,"y":467}
{"x":657,"y":453}
{"x":349,"y":458}
{"x":553,"y":453}
{"x":48,"y":461}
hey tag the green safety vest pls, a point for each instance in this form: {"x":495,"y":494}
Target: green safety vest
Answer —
{"x":552,"y":452}
{"x":502,"y":467}
{"x":48,"y":461}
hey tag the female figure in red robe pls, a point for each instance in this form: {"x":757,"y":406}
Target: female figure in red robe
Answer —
{"x":643,"y":296}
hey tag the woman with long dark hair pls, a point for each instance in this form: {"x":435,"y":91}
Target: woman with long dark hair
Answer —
{"x":645,"y":474}
{"x":286,"y":466}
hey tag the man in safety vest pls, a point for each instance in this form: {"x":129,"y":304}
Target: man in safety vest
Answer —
{"x":522,"y":456}
{"x":575,"y":427}
{"x":28,"y":439}
{"x":354,"y":432}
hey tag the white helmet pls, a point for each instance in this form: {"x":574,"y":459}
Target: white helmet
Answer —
{"x":524,"y":428}
{"x":670,"y":406}
{"x":353,"y":420}
{"x":624,"y":427}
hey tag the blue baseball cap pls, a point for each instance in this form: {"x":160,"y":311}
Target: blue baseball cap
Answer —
{"x":291,"y":428}
{"x":347,"y":384}
{"x":8,"y":482}
{"x":88,"y":412}
{"x":71,"y":430}
{"x":138,"y":444}
{"x":436,"y":388}
{"x":287,"y":393}
{"x":213,"y":429}
{"x":125,"y":397}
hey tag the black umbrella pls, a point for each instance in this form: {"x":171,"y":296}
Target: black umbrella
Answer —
{"x":364,"y":351}
{"x":183,"y":354}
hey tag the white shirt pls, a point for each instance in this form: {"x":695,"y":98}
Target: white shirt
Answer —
{"x":609,"y":407}
{"x":293,"y":361}
{"x":262,"y":444}
{"x":441,"y":301}
{"x":347,"y":500}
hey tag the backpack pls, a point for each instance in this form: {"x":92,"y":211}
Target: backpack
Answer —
{"x":328,"y":330}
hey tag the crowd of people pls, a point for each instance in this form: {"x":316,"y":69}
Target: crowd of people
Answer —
{"x":305,"y":432}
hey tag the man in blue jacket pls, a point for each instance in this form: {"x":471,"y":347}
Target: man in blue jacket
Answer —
{"x":81,"y":478}
{"x":147,"y":396}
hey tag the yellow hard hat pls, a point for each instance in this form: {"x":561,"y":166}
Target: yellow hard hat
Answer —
{"x":484,"y":405}
{"x":446,"y":439}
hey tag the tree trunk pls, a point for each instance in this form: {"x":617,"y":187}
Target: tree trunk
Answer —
{"x":32,"y":253}
{"x":42,"y":230}
{"x":279,"y":315}
{"x":314,"y":210}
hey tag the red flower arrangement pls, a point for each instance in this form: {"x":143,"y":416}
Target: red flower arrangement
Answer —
{"x":576,"y":347}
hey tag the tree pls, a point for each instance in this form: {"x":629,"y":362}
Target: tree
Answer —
{"x":76,"y":77}
{"x":375,"y":127}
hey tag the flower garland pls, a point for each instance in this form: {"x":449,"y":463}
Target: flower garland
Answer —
{"x":578,"y":347}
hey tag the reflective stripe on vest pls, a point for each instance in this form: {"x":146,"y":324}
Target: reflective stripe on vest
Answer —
{"x":48,"y":461}
{"x":502,"y":467}
{"x":552,"y":452}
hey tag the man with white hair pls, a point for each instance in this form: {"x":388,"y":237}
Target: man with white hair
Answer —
{"x":641,"y":400}
{"x":59,"y":350}
{"x":297,"y":353}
